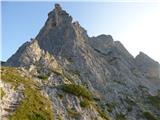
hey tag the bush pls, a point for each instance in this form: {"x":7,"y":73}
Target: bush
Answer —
{"x":149,"y":115}
{"x":155,"y":100}
{"x":36,"y":116}
{"x":73,"y":113}
{"x":85,"y":103}
{"x":110,"y":106}
{"x":102,"y":114}
{"x":43,"y":77}
{"x":120,"y":116}
{"x":60,"y":95}
{"x":2,"y":93}
{"x":77,"y":90}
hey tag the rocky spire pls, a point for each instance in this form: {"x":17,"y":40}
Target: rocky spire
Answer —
{"x":59,"y":16}
{"x":58,"y":7}
{"x":57,"y":19}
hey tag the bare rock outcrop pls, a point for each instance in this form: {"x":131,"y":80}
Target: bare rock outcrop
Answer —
{"x":10,"y":100}
{"x":148,"y":66}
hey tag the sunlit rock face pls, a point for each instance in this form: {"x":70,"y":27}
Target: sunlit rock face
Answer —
{"x":10,"y":99}
{"x":148,"y":66}
{"x":122,"y":86}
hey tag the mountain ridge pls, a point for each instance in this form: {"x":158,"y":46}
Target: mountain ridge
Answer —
{"x":122,"y":87}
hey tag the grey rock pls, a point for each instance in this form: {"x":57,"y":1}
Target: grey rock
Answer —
{"x":148,"y":66}
{"x":120,"y":83}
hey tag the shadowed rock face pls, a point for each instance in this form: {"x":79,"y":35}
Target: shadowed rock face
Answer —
{"x":121,"y":82}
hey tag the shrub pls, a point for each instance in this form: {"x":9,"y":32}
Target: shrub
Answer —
{"x":60,"y":95}
{"x":110,"y":106}
{"x":85,"y":103}
{"x":70,"y":59}
{"x":102,"y":114}
{"x":76,"y":72}
{"x":2,"y":93}
{"x":129,"y":108}
{"x":149,"y":115}
{"x":73,"y":113}
{"x":155,"y":100}
{"x":77,"y":90}
{"x":97,"y":99}
{"x":43,"y":77}
{"x":57,"y":72}
{"x":36,"y":116}
{"x":120,"y":116}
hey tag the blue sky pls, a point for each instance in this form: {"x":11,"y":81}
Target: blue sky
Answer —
{"x":135,"y":24}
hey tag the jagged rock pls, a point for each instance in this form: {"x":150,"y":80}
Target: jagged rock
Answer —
{"x":11,"y":100}
{"x":148,"y":66}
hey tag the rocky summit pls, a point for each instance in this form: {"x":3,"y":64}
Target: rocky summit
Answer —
{"x":63,"y":74}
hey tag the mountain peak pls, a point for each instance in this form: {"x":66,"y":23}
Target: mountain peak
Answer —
{"x":73,"y":70}
{"x":58,"y":16}
{"x":58,"y":7}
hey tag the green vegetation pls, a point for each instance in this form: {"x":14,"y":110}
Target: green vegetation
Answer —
{"x":57,"y":72}
{"x":59,"y":117}
{"x":149,"y":115}
{"x":2,"y":93}
{"x":34,"y":106}
{"x":43,"y":77}
{"x":110,"y":106}
{"x":76,"y":72}
{"x":63,"y":73}
{"x":11,"y":75}
{"x":77,"y":90}
{"x":43,"y":73}
{"x":102,"y":114}
{"x":66,"y":75}
{"x":129,"y":108}
{"x":130,"y":103}
{"x":70,"y":59}
{"x":155,"y":100}
{"x":36,"y":116}
{"x":143,"y":88}
{"x":120,"y":116}
{"x":96,"y":99}
{"x":61,"y":95}
{"x":85,"y":103}
{"x":73,"y":113}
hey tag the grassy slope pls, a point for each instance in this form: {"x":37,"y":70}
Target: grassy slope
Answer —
{"x":34,"y":106}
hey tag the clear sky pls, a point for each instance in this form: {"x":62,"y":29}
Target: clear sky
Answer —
{"x":135,"y":24}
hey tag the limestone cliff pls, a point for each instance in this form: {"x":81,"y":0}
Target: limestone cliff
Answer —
{"x":88,"y":78}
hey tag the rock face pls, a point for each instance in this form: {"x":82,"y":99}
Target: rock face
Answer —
{"x":10,"y":100}
{"x":148,"y":66}
{"x":122,"y":86}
